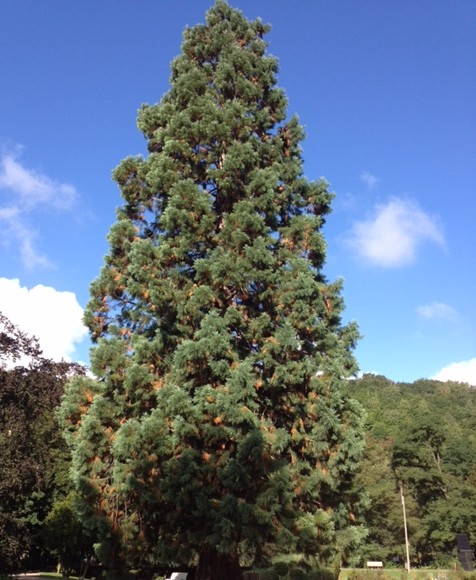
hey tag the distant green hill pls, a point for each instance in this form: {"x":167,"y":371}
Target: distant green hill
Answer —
{"x":423,"y":436}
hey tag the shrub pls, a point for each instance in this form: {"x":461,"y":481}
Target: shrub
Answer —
{"x":297,"y":574}
{"x":281,"y":568}
{"x":320,"y":574}
{"x":268,"y":574}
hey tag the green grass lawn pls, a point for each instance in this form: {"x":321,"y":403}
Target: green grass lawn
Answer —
{"x":401,"y":574}
{"x":363,"y":574}
{"x":50,"y":575}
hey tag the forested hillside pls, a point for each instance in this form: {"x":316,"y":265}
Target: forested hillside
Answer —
{"x":421,"y":436}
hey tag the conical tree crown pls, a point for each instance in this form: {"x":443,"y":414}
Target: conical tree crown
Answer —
{"x":217,"y":421}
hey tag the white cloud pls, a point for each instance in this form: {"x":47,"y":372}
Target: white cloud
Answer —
{"x":24,"y":237}
{"x":25,"y":191}
{"x":33,"y":188}
{"x":8,"y":213}
{"x":391,"y":236}
{"x":463,"y":372}
{"x":369,"y":179}
{"x":53,"y":316}
{"x":437,"y":311}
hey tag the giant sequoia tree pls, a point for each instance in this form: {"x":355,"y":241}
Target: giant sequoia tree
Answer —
{"x":216,"y":426}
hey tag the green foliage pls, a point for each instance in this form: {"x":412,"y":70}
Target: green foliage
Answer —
{"x":281,"y":568}
{"x":297,"y":574}
{"x":367,"y":574}
{"x":400,"y":574}
{"x":15,"y":344}
{"x":321,"y":574}
{"x":295,"y":566}
{"x":217,"y":426}
{"x":64,"y":536}
{"x":291,"y":570}
{"x":33,"y":456}
{"x":268,"y":574}
{"x":420,"y":435}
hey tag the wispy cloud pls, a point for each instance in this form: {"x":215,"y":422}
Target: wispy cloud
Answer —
{"x":369,"y":179}
{"x":23,"y":192}
{"x":463,"y":372}
{"x":33,"y":188}
{"x":391,"y":236}
{"x":53,"y":316}
{"x":437,"y":311}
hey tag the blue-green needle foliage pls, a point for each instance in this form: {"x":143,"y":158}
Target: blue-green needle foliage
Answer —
{"x":217,"y":421}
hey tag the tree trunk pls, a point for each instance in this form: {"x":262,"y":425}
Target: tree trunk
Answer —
{"x":215,"y":566}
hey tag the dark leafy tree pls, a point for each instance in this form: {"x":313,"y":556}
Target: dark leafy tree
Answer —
{"x":33,"y":455}
{"x":217,"y":425}
{"x":416,"y":460}
{"x":444,"y":517}
{"x":15,"y":344}
{"x":383,"y":513}
{"x":65,"y":537}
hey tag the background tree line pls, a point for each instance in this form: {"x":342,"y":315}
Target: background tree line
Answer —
{"x":421,"y":435}
{"x":38,"y":524}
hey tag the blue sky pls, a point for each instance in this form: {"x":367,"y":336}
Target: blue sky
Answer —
{"x":386,"y":92}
